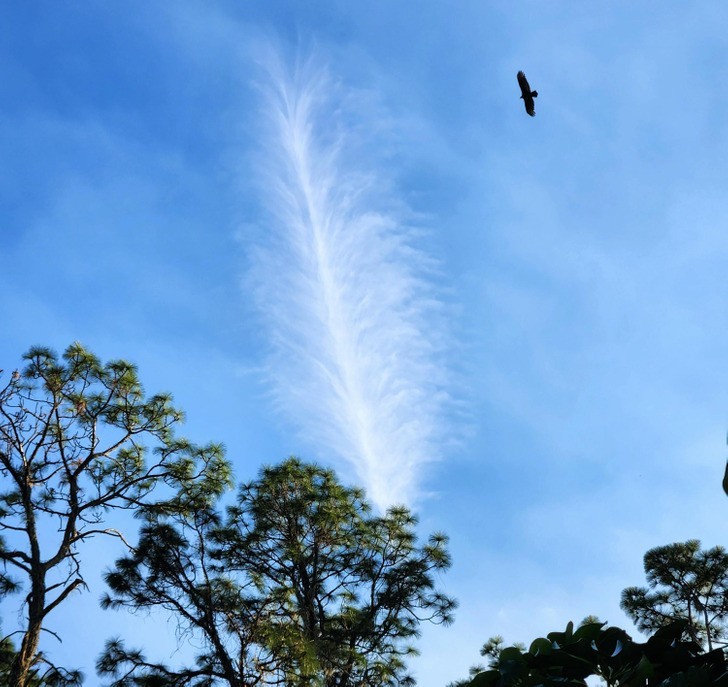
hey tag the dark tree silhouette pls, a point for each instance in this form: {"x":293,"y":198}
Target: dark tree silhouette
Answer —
{"x":527,"y":94}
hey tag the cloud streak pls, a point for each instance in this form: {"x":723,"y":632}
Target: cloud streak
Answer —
{"x":347,"y":296}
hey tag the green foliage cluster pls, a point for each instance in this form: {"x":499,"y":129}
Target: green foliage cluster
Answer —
{"x":568,"y":658}
{"x":296,"y":584}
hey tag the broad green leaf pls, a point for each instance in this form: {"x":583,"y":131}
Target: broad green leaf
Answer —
{"x":540,"y":647}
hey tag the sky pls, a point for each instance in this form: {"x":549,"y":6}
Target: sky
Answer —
{"x":330,"y":229}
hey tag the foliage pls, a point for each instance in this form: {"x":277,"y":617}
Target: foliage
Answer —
{"x":172,"y":569}
{"x":73,"y":447}
{"x":300,"y":585}
{"x":495,"y":646}
{"x":570,"y":657}
{"x":45,"y":675}
{"x":8,"y":653}
{"x":684,"y":583}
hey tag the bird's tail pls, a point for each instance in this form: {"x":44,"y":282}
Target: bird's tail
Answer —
{"x":534,"y":94}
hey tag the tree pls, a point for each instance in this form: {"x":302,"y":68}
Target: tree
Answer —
{"x":172,"y":568}
{"x":684,"y":583}
{"x":353,"y":587}
{"x":308,"y":588}
{"x":73,"y":447}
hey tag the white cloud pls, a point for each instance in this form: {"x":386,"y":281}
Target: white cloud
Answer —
{"x":346,"y":293}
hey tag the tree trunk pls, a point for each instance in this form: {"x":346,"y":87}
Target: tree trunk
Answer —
{"x":25,"y":659}
{"x":27,"y":656}
{"x":707,"y":627}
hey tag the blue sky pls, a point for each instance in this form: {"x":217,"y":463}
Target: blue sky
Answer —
{"x":579,"y":290}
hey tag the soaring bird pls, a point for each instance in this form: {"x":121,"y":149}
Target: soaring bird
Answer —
{"x":527,"y":94}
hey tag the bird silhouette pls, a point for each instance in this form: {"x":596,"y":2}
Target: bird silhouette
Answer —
{"x":527,"y":94}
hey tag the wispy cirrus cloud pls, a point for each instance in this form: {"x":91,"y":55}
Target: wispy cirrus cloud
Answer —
{"x":353,"y":320}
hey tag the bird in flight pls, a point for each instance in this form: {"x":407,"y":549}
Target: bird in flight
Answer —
{"x":527,"y":94}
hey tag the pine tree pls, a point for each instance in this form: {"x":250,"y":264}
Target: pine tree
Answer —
{"x":683,"y":583}
{"x":300,"y":585}
{"x":75,"y":439}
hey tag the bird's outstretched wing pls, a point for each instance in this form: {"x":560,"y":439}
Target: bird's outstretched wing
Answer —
{"x":523,"y":83}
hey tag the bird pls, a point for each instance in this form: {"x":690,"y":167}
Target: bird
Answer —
{"x":527,"y":94}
